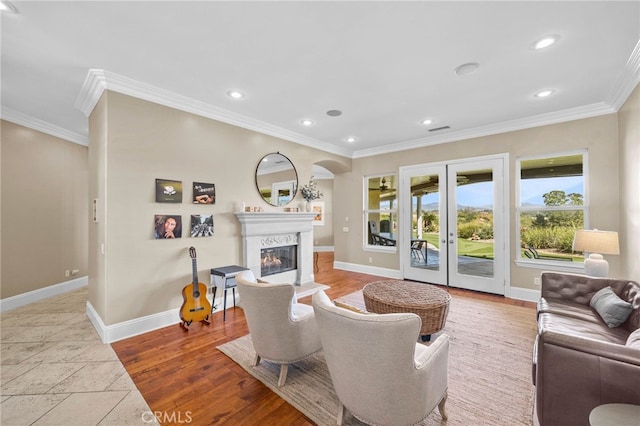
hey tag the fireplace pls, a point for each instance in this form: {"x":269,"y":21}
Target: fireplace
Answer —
{"x":278,"y":245}
{"x":277,"y":260}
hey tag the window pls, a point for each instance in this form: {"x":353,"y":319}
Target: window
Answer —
{"x":551,"y":206}
{"x":380,"y":212}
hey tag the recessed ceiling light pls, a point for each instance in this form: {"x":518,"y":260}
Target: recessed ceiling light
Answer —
{"x":546,"y":42}
{"x":234,"y":94}
{"x":544,"y":93}
{"x":468,"y":68}
{"x":306,"y":122}
{"x":6,"y":6}
{"x":351,"y":139}
{"x":426,"y":121}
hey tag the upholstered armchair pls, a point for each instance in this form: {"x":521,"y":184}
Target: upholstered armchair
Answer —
{"x":380,"y":373}
{"x":282,"y":331}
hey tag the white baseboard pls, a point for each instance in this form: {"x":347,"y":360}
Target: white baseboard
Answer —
{"x":323,"y":248}
{"x":24,"y":299}
{"x":124,"y":330}
{"x":371,"y":270}
{"x":523,"y":294}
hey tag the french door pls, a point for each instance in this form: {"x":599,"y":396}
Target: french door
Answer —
{"x":453,"y":225}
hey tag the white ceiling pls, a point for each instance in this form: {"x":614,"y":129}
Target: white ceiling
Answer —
{"x":385,"y":65}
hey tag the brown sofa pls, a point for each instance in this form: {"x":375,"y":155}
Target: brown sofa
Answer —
{"x":579,"y":362}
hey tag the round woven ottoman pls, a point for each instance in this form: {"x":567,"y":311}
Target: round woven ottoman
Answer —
{"x":427,"y":301}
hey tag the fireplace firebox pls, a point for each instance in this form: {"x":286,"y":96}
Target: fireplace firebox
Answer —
{"x":275,"y":260}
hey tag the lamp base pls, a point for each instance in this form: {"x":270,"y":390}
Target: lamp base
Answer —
{"x":596,"y":266}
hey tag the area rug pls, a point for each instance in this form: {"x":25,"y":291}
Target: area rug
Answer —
{"x":489,"y":368}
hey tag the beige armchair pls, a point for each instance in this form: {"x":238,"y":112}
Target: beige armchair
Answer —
{"x":381,"y":374}
{"x":282,"y":331}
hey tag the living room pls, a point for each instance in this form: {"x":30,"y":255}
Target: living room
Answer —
{"x":135,"y":281}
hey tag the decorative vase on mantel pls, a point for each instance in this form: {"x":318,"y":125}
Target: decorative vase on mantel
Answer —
{"x":310,"y":192}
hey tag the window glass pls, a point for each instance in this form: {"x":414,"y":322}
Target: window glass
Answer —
{"x":380,"y":215}
{"x":551,"y":207}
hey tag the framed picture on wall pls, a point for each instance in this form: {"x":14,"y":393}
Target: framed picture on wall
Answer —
{"x":204,"y":193}
{"x":168,"y":191}
{"x":167,"y":226}
{"x":201,"y":225}
{"x":318,"y":208}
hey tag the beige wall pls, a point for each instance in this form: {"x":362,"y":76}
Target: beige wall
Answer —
{"x":44,"y":210}
{"x":629,"y":131}
{"x":134,"y":142}
{"x":598,"y":135}
{"x":323,"y":234}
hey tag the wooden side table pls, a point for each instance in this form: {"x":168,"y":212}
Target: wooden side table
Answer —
{"x":224,"y":278}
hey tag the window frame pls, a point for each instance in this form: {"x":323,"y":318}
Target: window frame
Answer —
{"x":393,"y":212}
{"x":519,"y":209}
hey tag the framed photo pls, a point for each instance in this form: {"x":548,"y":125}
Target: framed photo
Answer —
{"x":204,"y":193}
{"x":201,"y":225}
{"x":318,"y":208}
{"x":168,"y":191}
{"x":167,"y":226}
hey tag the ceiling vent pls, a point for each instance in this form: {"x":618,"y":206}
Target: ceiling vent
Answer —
{"x":439,"y":128}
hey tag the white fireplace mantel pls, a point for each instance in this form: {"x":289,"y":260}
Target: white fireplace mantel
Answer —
{"x":257,"y":226}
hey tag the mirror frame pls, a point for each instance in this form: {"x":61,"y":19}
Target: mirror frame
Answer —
{"x":277,"y":186}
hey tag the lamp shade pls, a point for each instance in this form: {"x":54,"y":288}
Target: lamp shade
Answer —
{"x":594,"y":241}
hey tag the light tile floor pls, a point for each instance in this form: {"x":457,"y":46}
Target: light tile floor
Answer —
{"x":54,"y":369}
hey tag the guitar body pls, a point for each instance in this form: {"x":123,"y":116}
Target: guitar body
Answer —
{"x":195,"y":305}
{"x":195,"y":308}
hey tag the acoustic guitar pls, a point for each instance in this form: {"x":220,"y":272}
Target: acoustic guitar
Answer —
{"x":195,"y":307}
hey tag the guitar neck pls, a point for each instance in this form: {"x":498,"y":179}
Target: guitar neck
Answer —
{"x":194,"y":268}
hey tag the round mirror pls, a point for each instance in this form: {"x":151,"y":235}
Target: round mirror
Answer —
{"x":276,"y":179}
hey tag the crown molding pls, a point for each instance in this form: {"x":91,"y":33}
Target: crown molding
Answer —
{"x":21,"y":119}
{"x":97,"y":81}
{"x":570,"y":114}
{"x":628,"y":80}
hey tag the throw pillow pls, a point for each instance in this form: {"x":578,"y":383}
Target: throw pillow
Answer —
{"x":613,"y":310}
{"x":633,"y":341}
{"x":349,"y":307}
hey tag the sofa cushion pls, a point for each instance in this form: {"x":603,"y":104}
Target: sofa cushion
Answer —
{"x":568,"y":309}
{"x":631,"y":293}
{"x":583,"y":329}
{"x":633,"y":341}
{"x":613,"y":310}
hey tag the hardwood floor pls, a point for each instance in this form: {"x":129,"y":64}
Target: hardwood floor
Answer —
{"x":185,"y":379}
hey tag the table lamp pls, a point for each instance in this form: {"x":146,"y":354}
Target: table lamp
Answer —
{"x":596,"y":243}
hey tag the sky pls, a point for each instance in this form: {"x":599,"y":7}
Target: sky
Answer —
{"x":531,"y":191}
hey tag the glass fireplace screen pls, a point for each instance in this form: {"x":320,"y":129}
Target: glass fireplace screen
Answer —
{"x":275,"y":260}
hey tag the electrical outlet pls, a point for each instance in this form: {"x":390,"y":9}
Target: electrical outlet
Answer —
{"x":537,"y":281}
{"x":371,"y":260}
{"x":345,"y":229}
{"x":67,"y":273}
{"x":75,"y":272}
